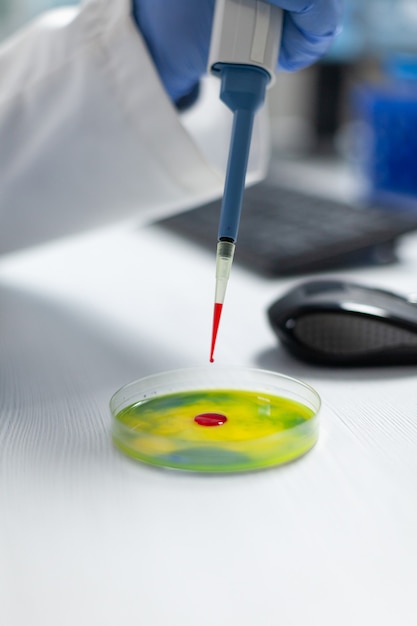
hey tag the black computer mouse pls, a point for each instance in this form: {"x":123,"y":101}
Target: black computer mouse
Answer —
{"x":341,"y":323}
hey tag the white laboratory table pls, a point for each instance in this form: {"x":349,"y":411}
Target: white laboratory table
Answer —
{"x":91,"y":538}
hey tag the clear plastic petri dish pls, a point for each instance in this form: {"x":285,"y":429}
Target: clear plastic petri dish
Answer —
{"x":215,"y":419}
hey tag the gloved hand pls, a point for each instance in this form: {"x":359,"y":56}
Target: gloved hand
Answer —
{"x":177,"y":33}
{"x":308,"y":30}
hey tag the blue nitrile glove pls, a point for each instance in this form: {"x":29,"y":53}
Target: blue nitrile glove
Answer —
{"x":177,"y":33}
{"x":308,"y":30}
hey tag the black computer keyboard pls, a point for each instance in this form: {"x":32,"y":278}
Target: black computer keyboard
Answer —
{"x":284,"y":232}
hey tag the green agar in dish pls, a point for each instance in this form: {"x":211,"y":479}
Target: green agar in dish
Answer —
{"x":216,"y":430}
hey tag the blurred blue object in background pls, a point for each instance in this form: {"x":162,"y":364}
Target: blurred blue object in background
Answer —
{"x":387,"y":112}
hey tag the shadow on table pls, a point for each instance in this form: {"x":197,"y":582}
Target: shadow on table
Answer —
{"x":278,"y":359}
{"x":58,"y":370}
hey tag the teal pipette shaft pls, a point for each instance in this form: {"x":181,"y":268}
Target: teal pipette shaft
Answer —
{"x":244,"y":51}
{"x":243,"y":91}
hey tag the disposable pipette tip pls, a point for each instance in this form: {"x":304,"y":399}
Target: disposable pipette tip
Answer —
{"x":224,"y":260}
{"x":218,"y":306}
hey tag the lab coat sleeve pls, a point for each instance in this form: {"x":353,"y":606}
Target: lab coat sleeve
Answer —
{"x":88,"y":136}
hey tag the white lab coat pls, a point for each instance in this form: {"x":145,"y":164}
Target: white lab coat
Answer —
{"x":88,"y":136}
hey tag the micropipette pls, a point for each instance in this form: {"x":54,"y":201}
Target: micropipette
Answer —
{"x":243,"y":54}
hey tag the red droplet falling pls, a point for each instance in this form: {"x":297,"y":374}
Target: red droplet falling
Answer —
{"x":210,"y":419}
{"x":218,"y":306}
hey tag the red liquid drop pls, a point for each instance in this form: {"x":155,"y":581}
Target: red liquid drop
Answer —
{"x":210,"y":419}
{"x":218,"y":306}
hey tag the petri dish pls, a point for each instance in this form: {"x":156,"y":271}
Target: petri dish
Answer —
{"x":215,"y":419}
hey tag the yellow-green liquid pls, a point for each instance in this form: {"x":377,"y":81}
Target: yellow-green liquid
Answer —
{"x":262,"y":429}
